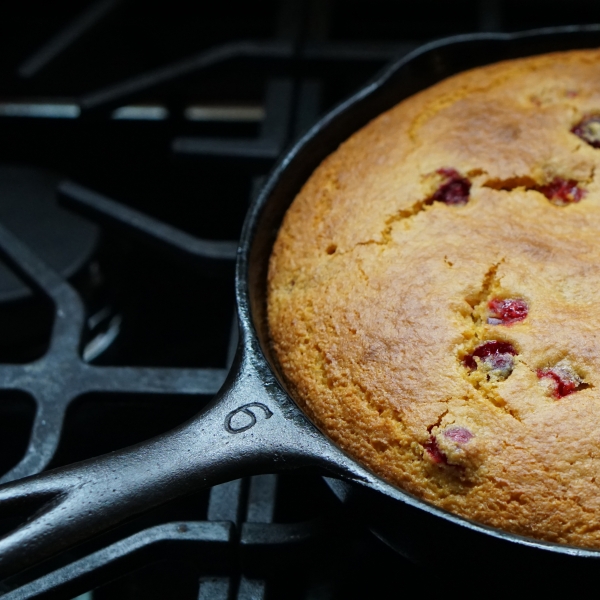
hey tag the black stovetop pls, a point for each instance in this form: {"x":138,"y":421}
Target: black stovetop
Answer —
{"x":132,"y":137}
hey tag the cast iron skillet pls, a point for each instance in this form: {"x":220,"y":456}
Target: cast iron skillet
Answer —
{"x":253,"y":426}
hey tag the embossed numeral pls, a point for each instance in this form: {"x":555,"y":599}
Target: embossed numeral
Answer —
{"x":240,"y":424}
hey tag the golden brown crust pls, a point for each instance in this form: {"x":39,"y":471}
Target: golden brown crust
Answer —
{"x":376,"y":295}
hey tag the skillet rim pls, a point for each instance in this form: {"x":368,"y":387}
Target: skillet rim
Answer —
{"x":261,"y":202}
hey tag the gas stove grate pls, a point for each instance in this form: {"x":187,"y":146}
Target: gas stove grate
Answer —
{"x":61,"y":375}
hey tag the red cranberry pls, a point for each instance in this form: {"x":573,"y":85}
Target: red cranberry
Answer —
{"x":491,"y":350}
{"x":434,"y":452}
{"x":562,"y":191}
{"x":507,"y":311}
{"x":496,"y":356}
{"x":564,"y":380}
{"x":460,"y":435}
{"x":454,"y":191}
{"x":588,"y":129}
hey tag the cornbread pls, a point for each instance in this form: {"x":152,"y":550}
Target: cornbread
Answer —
{"x":433,"y":296}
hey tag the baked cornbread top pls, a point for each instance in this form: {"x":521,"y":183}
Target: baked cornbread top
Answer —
{"x":434,"y":299}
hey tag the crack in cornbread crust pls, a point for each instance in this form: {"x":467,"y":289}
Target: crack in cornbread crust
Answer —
{"x":375,"y":295}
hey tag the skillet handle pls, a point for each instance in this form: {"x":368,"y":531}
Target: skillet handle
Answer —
{"x":251,"y":427}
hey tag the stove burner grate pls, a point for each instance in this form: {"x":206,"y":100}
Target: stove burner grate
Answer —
{"x":61,"y":375}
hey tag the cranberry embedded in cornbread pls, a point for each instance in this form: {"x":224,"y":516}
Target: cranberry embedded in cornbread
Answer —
{"x":488,"y":350}
{"x":434,"y":452}
{"x":495,"y":356}
{"x":564,"y":379}
{"x":460,"y":435}
{"x":562,"y":191}
{"x":455,"y":189}
{"x":507,"y":311}
{"x":588,"y":129}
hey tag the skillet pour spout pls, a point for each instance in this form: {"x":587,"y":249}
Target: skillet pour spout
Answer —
{"x":250,"y":428}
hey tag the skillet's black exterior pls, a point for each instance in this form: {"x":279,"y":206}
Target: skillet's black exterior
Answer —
{"x":253,"y":426}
